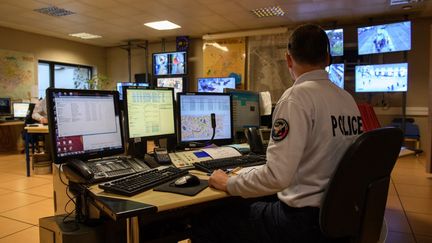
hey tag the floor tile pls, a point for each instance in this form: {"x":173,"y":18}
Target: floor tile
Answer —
{"x":4,"y":191}
{"x":44,"y":190}
{"x":417,"y":205}
{"x":396,"y":237}
{"x":404,"y":190}
{"x":24,"y":183}
{"x":393,"y":203}
{"x":425,"y":180}
{"x":423,"y":239}
{"x":9,"y":226}
{"x":397,"y":221}
{"x":17,"y":199}
{"x":7,"y":177}
{"x":31,"y":213}
{"x":30,"y":235}
{"x":421,"y":223}
{"x":392,"y":190}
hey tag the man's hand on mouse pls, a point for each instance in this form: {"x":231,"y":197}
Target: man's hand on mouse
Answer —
{"x":218,"y":180}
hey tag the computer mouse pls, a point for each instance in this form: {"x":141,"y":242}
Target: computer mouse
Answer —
{"x":187,"y":181}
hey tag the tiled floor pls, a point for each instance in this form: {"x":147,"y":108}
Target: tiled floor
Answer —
{"x":24,"y":200}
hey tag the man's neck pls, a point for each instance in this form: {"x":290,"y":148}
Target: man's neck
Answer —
{"x":304,"y":69}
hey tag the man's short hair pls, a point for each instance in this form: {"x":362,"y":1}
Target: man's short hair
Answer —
{"x":309,"y":44}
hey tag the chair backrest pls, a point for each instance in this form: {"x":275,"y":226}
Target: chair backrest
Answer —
{"x":354,"y":204}
{"x":28,"y":119}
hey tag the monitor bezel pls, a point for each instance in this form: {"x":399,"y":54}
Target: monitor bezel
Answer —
{"x":218,"y":142}
{"x":375,"y":53}
{"x":168,"y":74}
{"x":380,"y":91}
{"x":51,"y":127}
{"x":231,"y":91}
{"x":13,"y":109}
{"x":9,"y":111}
{"x":126,"y":114}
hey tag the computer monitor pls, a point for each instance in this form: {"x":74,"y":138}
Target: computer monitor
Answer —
{"x":215,"y":85}
{"x":5,"y":108}
{"x":194,"y":117}
{"x":384,"y":38}
{"x":382,"y":78}
{"x":336,"y":74}
{"x":169,"y":63}
{"x":177,"y":83}
{"x":121,"y":85}
{"x":245,"y":107}
{"x":335,"y":37}
{"x":20,"y":109}
{"x":149,"y":113}
{"x":84,"y":124}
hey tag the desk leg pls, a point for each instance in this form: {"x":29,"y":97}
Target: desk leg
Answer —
{"x":132,"y":230}
{"x":27,"y":152}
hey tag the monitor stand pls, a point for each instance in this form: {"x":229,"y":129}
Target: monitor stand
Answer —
{"x":137,"y":149}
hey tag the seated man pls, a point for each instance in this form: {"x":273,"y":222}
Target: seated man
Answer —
{"x":40,"y":112}
{"x":314,"y":122}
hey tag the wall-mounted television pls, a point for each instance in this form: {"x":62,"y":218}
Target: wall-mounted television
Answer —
{"x":215,"y":85}
{"x":336,"y":74}
{"x":169,"y":63}
{"x":382,"y":78}
{"x":384,"y":38}
{"x":336,"y":42}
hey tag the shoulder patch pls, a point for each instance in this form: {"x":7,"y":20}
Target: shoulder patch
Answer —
{"x":280,"y":129}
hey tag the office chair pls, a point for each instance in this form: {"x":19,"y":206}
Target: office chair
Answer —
{"x":354,"y":204}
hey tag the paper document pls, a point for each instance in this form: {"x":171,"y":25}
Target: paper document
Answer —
{"x":265,"y":103}
{"x":222,"y":152}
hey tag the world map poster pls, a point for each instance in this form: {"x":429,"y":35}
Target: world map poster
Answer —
{"x":225,"y":58}
{"x":16,"y":74}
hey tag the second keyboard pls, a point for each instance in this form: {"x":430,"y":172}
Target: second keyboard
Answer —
{"x":230,"y":163}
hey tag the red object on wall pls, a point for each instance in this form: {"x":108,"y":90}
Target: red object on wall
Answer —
{"x":369,"y":118}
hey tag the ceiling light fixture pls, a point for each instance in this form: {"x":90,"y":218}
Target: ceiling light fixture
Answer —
{"x":85,"y":36}
{"x":162,"y":25}
{"x":54,"y":11}
{"x":268,"y":12}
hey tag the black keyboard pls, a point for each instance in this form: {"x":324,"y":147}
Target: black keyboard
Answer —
{"x":114,"y":167}
{"x":142,"y":181}
{"x":230,"y":163}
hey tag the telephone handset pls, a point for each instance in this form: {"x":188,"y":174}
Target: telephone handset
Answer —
{"x":78,"y":171}
{"x":254,"y":140}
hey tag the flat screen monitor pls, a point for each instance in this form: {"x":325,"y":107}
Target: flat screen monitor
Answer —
{"x":121,"y":85}
{"x":245,"y":107}
{"x":5,"y":108}
{"x":336,"y":74}
{"x":172,"y":82}
{"x":149,"y":112}
{"x":195,"y":111}
{"x":20,"y":109}
{"x":384,"y":38}
{"x":382,"y":78}
{"x":336,"y":42}
{"x":215,"y":85}
{"x":170,"y":63}
{"x":84,"y":124}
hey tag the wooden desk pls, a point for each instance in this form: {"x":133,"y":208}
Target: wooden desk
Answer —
{"x":41,"y":129}
{"x":10,"y":135}
{"x":148,"y":204}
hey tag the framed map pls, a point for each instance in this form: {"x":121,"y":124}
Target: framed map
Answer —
{"x":225,"y":58}
{"x":16,"y":74}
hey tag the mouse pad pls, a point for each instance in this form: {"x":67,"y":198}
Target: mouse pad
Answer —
{"x":188,"y":191}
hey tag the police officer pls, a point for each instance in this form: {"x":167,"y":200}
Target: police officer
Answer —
{"x":314,"y":122}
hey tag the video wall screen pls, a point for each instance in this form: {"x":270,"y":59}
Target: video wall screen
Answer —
{"x":382,"y":78}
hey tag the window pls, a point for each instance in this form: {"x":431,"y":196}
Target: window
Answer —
{"x":62,"y":75}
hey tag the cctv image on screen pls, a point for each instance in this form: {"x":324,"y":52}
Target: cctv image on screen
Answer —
{"x":384,"y":38}
{"x":382,"y":78}
{"x":215,"y":85}
{"x":336,"y":74}
{"x":336,"y":41}
{"x":160,"y":64}
{"x":177,"y":63}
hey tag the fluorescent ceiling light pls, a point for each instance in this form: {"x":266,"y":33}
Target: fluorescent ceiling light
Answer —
{"x":86,"y":36}
{"x":162,"y":25}
{"x":268,"y":12}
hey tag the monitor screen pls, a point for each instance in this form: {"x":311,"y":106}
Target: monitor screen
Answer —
{"x":195,"y":111}
{"x":336,"y":74}
{"x":127,"y":84}
{"x":84,"y":124}
{"x":215,"y":85}
{"x":172,"y":82}
{"x":336,"y":42}
{"x":5,"y":108}
{"x":245,"y":107}
{"x":20,"y":109}
{"x":384,"y":38}
{"x":169,"y":63}
{"x":149,"y":112}
{"x":382,"y":78}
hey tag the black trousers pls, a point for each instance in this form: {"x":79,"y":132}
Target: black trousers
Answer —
{"x":259,"y":221}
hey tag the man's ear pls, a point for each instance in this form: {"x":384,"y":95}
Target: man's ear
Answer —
{"x":289,"y":60}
